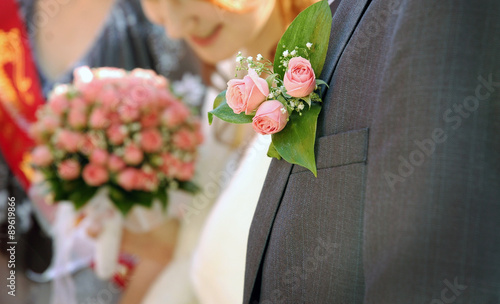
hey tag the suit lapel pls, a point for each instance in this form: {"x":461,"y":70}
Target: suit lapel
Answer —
{"x":269,"y":201}
{"x":345,"y":19}
{"x":344,"y":22}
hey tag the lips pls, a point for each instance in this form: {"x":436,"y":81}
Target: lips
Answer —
{"x":208,"y":39}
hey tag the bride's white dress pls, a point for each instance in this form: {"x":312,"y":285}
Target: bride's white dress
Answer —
{"x":215,"y":278}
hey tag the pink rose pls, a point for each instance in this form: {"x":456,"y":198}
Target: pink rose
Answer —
{"x":151,"y":140}
{"x":50,"y":123}
{"x":175,"y":115}
{"x":161,"y":82}
{"x":129,"y":112}
{"x":114,"y":118}
{"x":95,"y":175}
{"x":89,"y":143}
{"x":99,"y":157}
{"x":186,"y":171}
{"x":247,"y":94}
{"x":148,"y":181}
{"x":69,"y":169}
{"x":165,"y":98}
{"x":171,"y":165}
{"x":142,"y":96}
{"x":115,"y":163}
{"x":42,"y":156}
{"x":185,"y":140}
{"x":133,"y":155}
{"x":69,"y":140}
{"x":77,"y":119}
{"x":98,"y":119}
{"x":36,"y":132}
{"x":128,"y":179}
{"x":271,"y":117}
{"x":116,"y":134}
{"x":58,"y":103}
{"x":109,"y":99}
{"x":90,"y":91}
{"x":299,"y":78}
{"x":79,"y":104}
{"x":150,"y":120}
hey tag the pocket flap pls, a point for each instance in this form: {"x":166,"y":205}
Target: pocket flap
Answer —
{"x":340,"y":149}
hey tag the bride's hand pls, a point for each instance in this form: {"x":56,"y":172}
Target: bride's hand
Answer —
{"x":157,"y":244}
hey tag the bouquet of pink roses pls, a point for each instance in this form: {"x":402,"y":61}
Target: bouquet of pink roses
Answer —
{"x":111,"y":145}
{"x":124,"y":131}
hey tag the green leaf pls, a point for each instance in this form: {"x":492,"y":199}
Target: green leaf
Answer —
{"x":295,"y":143}
{"x":119,"y":197}
{"x":321,"y":82}
{"x":142,"y":198}
{"x":311,"y":25}
{"x":189,"y":187}
{"x":219,"y":99}
{"x":272,"y":152}
{"x":81,"y":196}
{"x":307,"y":99}
{"x":224,"y":112}
{"x":270,"y":79}
{"x":162,"y":196}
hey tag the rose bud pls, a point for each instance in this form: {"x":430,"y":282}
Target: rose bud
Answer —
{"x":247,"y":94}
{"x":69,"y":169}
{"x":299,"y":79}
{"x":133,"y":155}
{"x":271,"y":117}
{"x":95,"y":175}
{"x":42,"y":156}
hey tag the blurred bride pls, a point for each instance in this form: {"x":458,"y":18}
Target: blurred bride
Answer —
{"x":209,"y":261}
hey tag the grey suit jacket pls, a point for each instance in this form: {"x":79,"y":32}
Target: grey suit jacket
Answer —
{"x":406,"y":205}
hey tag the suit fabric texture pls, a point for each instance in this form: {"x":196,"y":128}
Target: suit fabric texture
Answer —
{"x":406,"y":205}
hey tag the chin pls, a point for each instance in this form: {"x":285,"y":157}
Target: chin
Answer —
{"x":213,"y":57}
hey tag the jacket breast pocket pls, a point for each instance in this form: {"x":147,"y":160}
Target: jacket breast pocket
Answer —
{"x":340,"y":149}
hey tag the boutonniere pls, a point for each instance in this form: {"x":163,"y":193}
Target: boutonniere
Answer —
{"x":286,"y":102}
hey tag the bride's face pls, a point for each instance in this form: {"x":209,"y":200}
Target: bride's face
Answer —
{"x":213,"y":32}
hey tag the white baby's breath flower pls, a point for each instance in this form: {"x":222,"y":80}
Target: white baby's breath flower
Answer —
{"x":147,"y":168}
{"x":271,"y":95}
{"x":293,"y":53}
{"x":300,"y":106}
{"x":283,"y":110}
{"x":292,"y":104}
{"x":259,"y":57}
{"x":285,"y":63}
{"x":309,"y":45}
{"x":137,"y":138}
{"x":239,"y":58}
{"x":250,"y":58}
{"x":285,"y":53}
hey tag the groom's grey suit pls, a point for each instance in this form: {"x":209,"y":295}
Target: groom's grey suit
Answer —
{"x":406,"y":205}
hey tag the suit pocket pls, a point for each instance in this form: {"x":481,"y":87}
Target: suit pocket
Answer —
{"x":340,"y":149}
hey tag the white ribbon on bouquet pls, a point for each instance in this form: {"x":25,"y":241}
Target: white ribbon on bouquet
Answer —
{"x":72,"y":243}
